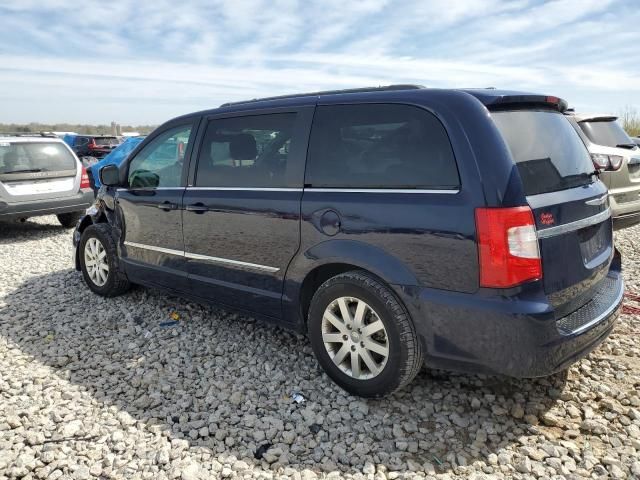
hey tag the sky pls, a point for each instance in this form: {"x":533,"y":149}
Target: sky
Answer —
{"x":134,"y":62}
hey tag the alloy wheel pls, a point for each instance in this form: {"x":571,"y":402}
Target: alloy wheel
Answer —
{"x":355,"y":338}
{"x":95,"y":261}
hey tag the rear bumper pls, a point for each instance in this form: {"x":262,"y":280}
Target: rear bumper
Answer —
{"x":625,"y":213}
{"x":76,"y":203}
{"x":98,"y":153}
{"x":518,"y":337}
{"x":626,"y":220}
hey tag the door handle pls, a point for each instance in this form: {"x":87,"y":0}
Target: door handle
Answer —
{"x":197,"y":208}
{"x":167,"y":206}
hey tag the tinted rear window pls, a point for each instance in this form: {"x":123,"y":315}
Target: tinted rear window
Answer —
{"x":43,"y":157}
{"x":547,"y":150}
{"x":106,"y":141}
{"x":608,"y":133}
{"x":379,"y":146}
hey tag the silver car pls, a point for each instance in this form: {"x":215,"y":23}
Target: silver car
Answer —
{"x":40,"y":175}
{"x":617,"y":157}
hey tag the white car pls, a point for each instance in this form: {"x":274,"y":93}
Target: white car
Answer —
{"x":41,"y":175}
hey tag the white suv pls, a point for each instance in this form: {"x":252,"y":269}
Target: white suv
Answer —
{"x":40,"y":175}
{"x":617,"y":158}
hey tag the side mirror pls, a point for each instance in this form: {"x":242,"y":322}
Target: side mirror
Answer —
{"x":110,"y":175}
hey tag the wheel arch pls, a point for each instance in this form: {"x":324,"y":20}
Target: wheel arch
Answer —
{"x":85,"y":222}
{"x":312,"y":268}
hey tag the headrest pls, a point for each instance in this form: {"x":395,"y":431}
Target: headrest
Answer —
{"x":243,"y":147}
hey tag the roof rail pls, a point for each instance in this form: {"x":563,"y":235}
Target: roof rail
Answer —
{"x":28,"y":134}
{"x":384,"y":88}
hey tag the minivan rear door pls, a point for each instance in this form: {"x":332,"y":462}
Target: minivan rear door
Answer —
{"x":37,"y":170}
{"x":569,"y":203}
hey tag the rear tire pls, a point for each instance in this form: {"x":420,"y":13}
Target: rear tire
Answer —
{"x":99,"y":262}
{"x":69,"y":220}
{"x":376,"y":350}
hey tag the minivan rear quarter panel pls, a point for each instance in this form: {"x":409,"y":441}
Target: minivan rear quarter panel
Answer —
{"x":411,"y":239}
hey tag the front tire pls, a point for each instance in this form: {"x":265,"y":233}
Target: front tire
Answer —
{"x":99,"y":262}
{"x":69,"y":220}
{"x":363,"y":336}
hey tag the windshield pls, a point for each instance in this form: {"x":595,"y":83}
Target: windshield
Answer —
{"x":35,"y":157}
{"x":548,"y":152}
{"x":106,"y":141}
{"x":608,"y":133}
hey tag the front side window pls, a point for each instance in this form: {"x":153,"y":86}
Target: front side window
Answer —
{"x":379,"y":146}
{"x":246,"y":152}
{"x":159,"y":163}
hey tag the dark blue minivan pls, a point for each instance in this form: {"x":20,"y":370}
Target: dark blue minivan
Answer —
{"x":396,"y":226}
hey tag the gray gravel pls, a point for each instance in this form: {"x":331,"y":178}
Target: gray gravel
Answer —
{"x":94,"y":388}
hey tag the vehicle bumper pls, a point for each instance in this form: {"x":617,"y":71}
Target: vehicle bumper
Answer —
{"x":76,"y":203}
{"x":518,"y":337}
{"x":626,"y":220}
{"x":99,"y":153}
{"x":625,"y":213}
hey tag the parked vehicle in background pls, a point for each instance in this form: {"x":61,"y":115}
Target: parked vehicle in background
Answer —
{"x":40,"y":175}
{"x":116,"y":157}
{"x":395,"y":226}
{"x":90,"y":148}
{"x":617,"y":158}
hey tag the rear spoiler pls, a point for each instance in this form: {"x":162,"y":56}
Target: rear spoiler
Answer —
{"x":499,"y":102}
{"x":513,"y":100}
{"x":599,"y":118}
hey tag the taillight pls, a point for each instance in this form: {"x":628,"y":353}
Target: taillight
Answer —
{"x":84,"y":179}
{"x":615,"y":161}
{"x":606,"y":162}
{"x":507,"y":247}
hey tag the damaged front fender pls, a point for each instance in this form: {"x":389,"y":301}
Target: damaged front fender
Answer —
{"x":96,"y":213}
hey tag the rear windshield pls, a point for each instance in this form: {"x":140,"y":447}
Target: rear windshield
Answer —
{"x":606,"y":132}
{"x":106,"y":141}
{"x":547,"y":150}
{"x":35,"y":157}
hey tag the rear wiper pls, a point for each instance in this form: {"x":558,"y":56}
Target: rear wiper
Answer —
{"x":626,"y":145}
{"x":578,"y":176}
{"x":26,"y":170}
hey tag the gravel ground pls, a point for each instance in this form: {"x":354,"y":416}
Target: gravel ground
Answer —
{"x":97,"y":388}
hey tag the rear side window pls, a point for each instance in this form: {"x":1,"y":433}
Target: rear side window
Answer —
{"x":246,"y":152}
{"x":35,"y":157}
{"x":548,"y":152}
{"x":606,"y":132}
{"x":379,"y":146}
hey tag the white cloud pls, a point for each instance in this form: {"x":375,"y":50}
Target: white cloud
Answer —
{"x":168,"y":58}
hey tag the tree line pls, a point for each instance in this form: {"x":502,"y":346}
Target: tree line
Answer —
{"x":35,"y":127}
{"x":630,"y":120}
